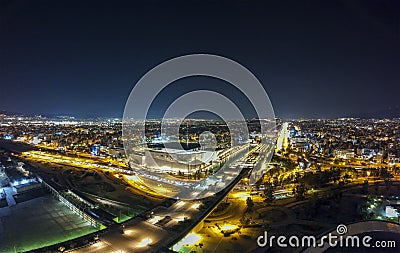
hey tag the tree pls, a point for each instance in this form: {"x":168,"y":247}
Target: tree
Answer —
{"x":269,"y":193}
{"x":365,"y":187}
{"x":300,"y":191}
{"x":244,"y":221}
{"x":376,"y":184}
{"x":288,"y":149}
{"x":346,"y":177}
{"x":249,"y":203}
{"x":388,"y":184}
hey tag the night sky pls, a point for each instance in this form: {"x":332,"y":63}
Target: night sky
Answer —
{"x":315,"y":58}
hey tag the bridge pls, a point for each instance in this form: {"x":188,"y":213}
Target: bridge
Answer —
{"x":152,"y":235}
{"x":82,"y":206}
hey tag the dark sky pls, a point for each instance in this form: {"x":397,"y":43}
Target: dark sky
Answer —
{"x":314,"y":58}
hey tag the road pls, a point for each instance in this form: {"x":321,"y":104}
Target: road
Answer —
{"x":139,"y":234}
{"x":282,"y":141}
{"x":152,"y":234}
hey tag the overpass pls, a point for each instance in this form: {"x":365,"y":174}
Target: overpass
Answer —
{"x":152,"y":235}
{"x":211,"y":207}
{"x":82,"y":206}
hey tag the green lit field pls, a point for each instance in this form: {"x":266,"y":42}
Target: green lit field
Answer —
{"x":37,"y":223}
{"x":122,"y":218}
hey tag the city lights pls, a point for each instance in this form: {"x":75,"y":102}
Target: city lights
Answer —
{"x":228,"y":227}
{"x":188,"y":240}
{"x":199,"y":126}
{"x":145,"y":242}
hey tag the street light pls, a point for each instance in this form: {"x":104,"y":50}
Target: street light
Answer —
{"x":145,"y":242}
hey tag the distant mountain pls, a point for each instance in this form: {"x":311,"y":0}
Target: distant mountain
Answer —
{"x":52,"y":115}
{"x":8,"y":113}
{"x":389,"y":113}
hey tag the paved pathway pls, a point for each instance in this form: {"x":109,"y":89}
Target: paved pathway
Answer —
{"x":9,"y":196}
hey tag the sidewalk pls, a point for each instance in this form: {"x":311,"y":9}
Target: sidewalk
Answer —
{"x":9,"y":191}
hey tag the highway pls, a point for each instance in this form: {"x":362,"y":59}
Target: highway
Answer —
{"x":141,"y":178}
{"x":157,"y":231}
{"x":282,"y":141}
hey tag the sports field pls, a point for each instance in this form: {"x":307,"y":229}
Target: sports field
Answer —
{"x":37,"y":223}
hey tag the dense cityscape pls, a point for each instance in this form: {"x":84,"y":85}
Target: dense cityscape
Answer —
{"x":322,"y":173}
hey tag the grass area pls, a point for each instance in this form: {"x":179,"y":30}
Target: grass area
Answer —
{"x":122,"y":218}
{"x":38,"y":223}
